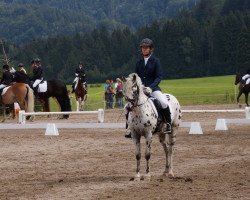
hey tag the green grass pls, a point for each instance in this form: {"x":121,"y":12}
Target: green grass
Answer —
{"x":209,"y":90}
{"x":192,"y":91}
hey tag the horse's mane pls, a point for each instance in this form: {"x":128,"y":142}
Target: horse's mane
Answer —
{"x":134,"y":77}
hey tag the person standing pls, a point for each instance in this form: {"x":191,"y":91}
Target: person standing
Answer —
{"x":80,"y":75}
{"x":119,"y":93}
{"x":149,"y":70}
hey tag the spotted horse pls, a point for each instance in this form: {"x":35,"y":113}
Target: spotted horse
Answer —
{"x":143,"y":120}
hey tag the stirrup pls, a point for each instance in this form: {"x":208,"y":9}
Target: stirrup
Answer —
{"x":167,"y":128}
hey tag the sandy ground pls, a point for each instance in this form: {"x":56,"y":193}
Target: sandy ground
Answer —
{"x":100,"y":163}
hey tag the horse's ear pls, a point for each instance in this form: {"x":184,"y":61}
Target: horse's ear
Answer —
{"x":123,"y":79}
{"x":134,"y":77}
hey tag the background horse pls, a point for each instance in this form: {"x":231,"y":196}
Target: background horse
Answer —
{"x":20,"y":93}
{"x":245,"y":89}
{"x":143,"y":121}
{"x":55,"y":88}
{"x":80,"y":94}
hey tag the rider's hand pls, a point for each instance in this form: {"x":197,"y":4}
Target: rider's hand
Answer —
{"x":147,"y":90}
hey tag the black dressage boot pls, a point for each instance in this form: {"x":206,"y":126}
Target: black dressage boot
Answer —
{"x":167,"y":116}
{"x":35,"y":89}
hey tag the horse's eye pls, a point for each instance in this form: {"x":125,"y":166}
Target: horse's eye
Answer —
{"x":134,"y":88}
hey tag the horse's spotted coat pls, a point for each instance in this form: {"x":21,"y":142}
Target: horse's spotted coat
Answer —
{"x":142,"y":121}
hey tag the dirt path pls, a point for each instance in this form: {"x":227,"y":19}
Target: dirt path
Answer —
{"x":100,"y":164}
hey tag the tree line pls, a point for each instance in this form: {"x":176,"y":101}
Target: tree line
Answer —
{"x":206,"y":41}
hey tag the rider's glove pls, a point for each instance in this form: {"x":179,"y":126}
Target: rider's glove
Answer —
{"x":147,"y":90}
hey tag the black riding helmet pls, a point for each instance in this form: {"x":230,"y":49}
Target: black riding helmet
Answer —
{"x":6,"y":67}
{"x":146,"y":42}
{"x":37,"y":60}
{"x":20,"y":65}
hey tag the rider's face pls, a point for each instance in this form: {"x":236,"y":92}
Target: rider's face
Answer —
{"x":146,"y":51}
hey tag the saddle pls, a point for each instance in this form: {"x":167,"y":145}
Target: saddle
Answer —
{"x":159,"y":110}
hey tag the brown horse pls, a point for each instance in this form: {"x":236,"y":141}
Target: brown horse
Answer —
{"x":245,"y":89}
{"x":80,"y":94}
{"x":20,"y":93}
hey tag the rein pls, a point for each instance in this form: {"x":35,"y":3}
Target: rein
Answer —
{"x":138,"y":105}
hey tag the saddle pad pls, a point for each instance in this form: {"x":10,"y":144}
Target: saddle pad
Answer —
{"x":4,"y":90}
{"x":248,"y":81}
{"x":42,"y":87}
{"x":153,"y":106}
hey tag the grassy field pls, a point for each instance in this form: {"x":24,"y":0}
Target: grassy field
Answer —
{"x":192,"y":91}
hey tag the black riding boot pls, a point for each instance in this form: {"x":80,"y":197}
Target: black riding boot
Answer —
{"x":167,"y":116}
{"x":73,"y":88}
{"x":35,"y":89}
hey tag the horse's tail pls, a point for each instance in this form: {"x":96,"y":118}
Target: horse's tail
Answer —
{"x":30,"y":99}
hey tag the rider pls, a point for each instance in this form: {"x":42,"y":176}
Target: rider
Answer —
{"x":149,"y":70}
{"x":245,"y":78}
{"x":7,"y":78}
{"x":80,"y":73}
{"x":21,"y":68}
{"x":37,"y":74}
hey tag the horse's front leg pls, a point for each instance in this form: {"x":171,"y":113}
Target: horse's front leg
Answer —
{"x":136,"y":139}
{"x":246,"y":99}
{"x":77,"y":105}
{"x":238,"y":98}
{"x":148,"y":153}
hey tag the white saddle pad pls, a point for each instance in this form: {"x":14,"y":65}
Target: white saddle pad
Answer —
{"x":4,"y":90}
{"x":248,"y":81}
{"x":42,"y":87}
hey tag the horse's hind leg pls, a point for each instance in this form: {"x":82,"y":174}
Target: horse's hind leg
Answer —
{"x":148,"y":153}
{"x":168,"y":148}
{"x":246,"y":99}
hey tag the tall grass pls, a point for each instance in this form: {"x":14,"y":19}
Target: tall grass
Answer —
{"x":192,"y":91}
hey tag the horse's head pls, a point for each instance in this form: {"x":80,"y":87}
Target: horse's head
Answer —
{"x":237,"y":79}
{"x":133,"y":88}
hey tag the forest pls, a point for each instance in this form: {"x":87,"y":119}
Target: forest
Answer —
{"x":213,"y":38}
{"x":24,"y":20}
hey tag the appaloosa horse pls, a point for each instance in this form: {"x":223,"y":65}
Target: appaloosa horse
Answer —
{"x":143,"y":121}
{"x":243,"y":89}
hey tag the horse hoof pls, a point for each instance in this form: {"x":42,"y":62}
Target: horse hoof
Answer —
{"x":137,"y":177}
{"x":147,"y":177}
{"x":170,"y":175}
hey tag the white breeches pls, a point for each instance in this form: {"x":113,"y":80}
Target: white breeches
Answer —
{"x":245,"y":77}
{"x":161,"y":97}
{"x":37,"y":81}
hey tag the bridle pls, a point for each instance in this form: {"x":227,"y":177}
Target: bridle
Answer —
{"x":134,"y":100}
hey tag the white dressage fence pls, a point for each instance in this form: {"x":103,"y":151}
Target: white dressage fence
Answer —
{"x":221,"y":124}
{"x":52,"y":128}
{"x":22,"y":114}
